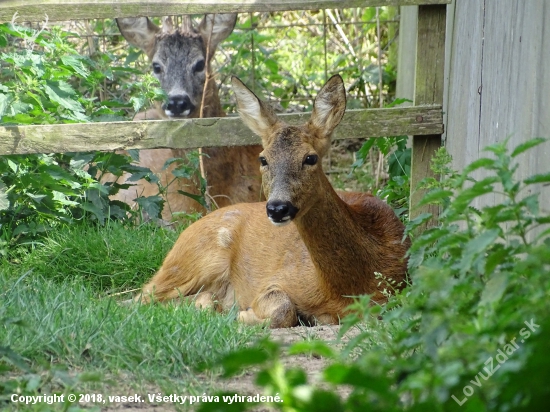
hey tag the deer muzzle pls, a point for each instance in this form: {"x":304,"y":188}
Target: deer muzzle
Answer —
{"x":179,"y":106}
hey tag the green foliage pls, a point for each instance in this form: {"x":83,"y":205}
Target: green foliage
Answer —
{"x":42,"y":192}
{"x":43,"y":86}
{"x":396,"y":191}
{"x":189,"y":168}
{"x":284,"y":57}
{"x":471,"y":331}
{"x":45,"y":80}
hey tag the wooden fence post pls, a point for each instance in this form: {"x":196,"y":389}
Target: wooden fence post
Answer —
{"x":430,"y":59}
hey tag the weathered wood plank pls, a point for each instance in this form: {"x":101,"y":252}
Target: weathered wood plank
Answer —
{"x":192,"y":133}
{"x":406,"y":60}
{"x":464,"y":85}
{"x":509,"y":99}
{"x":101,"y":9}
{"x":430,"y":59}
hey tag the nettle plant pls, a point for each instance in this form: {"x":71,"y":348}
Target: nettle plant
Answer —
{"x":396,"y":191}
{"x":471,"y":330}
{"x":394,"y":148}
{"x":41,"y":192}
{"x":45,"y":80}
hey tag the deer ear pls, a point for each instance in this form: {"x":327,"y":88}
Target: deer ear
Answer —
{"x":255,"y":114}
{"x":139,"y":32}
{"x":329,"y":106}
{"x":215,"y":28}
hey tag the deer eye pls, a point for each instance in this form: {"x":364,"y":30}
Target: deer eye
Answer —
{"x":311,"y":160}
{"x":199,"y":66}
{"x":156,"y":68}
{"x":263,"y":161}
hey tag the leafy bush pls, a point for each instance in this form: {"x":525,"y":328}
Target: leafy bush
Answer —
{"x":396,"y":191}
{"x":45,"y":80}
{"x":41,"y":192}
{"x":394,"y":148}
{"x":470,"y":332}
{"x":286,"y":56}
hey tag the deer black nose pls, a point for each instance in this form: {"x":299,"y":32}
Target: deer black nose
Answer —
{"x":280,"y":211}
{"x":179,"y":105}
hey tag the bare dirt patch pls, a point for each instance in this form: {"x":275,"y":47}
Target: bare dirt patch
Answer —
{"x":312,"y":364}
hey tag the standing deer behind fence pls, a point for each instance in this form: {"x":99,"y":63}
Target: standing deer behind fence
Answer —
{"x":180,"y":59}
{"x":314,"y":250}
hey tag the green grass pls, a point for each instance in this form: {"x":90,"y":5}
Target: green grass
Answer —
{"x":110,"y":259}
{"x":66,"y":334}
{"x":71,"y":325}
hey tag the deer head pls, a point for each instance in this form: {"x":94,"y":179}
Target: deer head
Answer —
{"x":291,"y":159}
{"x":180,"y":58}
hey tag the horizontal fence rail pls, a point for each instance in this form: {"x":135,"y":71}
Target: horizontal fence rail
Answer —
{"x":59,"y":10}
{"x":193,"y":133}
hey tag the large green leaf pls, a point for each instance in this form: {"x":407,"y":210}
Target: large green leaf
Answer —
{"x":61,"y":92}
{"x":198,"y":198}
{"x":75,"y":62}
{"x":152,"y":205}
{"x":528,"y":145}
{"x":541,"y":178}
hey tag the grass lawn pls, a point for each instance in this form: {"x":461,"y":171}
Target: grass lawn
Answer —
{"x":64,"y":332}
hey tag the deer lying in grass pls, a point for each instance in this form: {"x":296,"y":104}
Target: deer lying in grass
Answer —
{"x":315,"y":248}
{"x":180,"y":60}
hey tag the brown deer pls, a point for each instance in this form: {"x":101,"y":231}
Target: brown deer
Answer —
{"x":180,"y":60}
{"x":314,"y":250}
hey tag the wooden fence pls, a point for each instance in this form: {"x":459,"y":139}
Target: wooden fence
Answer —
{"x":424,"y":120}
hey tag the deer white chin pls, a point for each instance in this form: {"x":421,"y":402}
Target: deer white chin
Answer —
{"x":285,"y":221}
{"x":173,"y":116}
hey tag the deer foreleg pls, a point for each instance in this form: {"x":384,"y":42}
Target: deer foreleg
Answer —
{"x":273,"y":305}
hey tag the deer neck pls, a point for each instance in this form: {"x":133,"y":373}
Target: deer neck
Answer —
{"x":338,"y":245}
